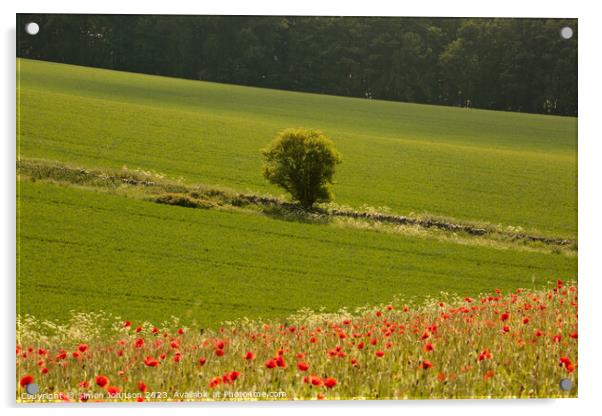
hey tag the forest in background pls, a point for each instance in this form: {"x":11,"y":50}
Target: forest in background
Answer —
{"x":506,"y":64}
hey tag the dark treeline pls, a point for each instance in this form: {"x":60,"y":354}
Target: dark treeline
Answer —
{"x":503,"y":64}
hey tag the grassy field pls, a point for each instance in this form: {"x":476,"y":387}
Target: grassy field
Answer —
{"x":87,"y":250}
{"x":508,"y":168}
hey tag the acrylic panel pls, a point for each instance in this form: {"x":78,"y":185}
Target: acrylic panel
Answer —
{"x":225,"y":208}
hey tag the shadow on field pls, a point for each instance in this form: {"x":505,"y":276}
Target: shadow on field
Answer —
{"x":293,"y":213}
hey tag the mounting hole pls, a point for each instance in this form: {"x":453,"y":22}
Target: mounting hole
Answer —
{"x":566,"y":32}
{"x":32,"y":28}
{"x":566,"y":384}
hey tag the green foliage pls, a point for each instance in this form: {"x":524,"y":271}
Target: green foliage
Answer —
{"x":183,"y":201}
{"x":303,"y":163}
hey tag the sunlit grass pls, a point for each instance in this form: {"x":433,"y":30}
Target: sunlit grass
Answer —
{"x":498,"y":167}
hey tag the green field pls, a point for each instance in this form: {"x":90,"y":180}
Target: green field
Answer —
{"x":509,"y":168}
{"x":84,"y":250}
{"x":87,"y":251}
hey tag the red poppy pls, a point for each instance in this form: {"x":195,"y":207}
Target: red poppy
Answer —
{"x":113,"y":391}
{"x":139,"y":329}
{"x":280,"y":361}
{"x":82,"y":347}
{"x":249,"y":356}
{"x":102,"y":381}
{"x":127,"y":324}
{"x":271,"y":363}
{"x":505,"y":316}
{"x":525,"y":320}
{"x":44,"y":370}
{"x":25,"y":380}
{"x":488,"y":375}
{"x":155,"y":330}
{"x":142,"y":387}
{"x":302,"y":366}
{"x":174,"y":344}
{"x":506,"y":328}
{"x":426,"y":364}
{"x":379,"y":353}
{"x":150,"y":361}
{"x":84,"y":384}
{"x":485,"y":354}
{"x":180,"y":331}
{"x":230,"y":377}
{"x":574,"y":335}
{"x":360,"y":345}
{"x":567,"y":363}
{"x":428,"y":347}
{"x":215,"y":381}
{"x":139,"y":343}
{"x":220,"y":345}
{"x":556,"y":338}
{"x":219,"y":352}
{"x":202,"y":361}
{"x":330,"y":382}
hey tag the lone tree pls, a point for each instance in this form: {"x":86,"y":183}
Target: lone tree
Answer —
{"x":302,"y":162}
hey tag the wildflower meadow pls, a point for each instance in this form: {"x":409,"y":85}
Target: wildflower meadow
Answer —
{"x":520,"y":344}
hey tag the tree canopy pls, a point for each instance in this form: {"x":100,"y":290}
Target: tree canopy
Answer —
{"x":493,"y":63}
{"x":302,"y":162}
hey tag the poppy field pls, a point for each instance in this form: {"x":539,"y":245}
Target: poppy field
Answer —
{"x":516,"y":344}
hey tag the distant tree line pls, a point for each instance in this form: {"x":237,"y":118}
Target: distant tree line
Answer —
{"x":502,"y":64}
